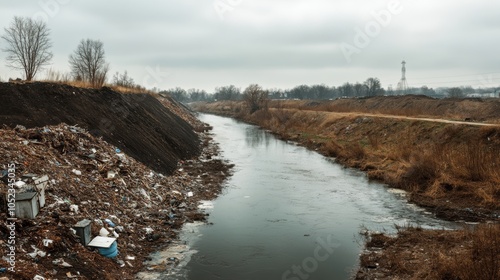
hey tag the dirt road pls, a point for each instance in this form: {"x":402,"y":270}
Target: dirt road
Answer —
{"x":359,"y":114}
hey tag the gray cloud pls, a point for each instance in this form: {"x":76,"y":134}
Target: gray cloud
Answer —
{"x":277,"y":43}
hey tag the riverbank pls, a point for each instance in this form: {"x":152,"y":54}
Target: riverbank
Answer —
{"x":447,"y":168}
{"x":132,"y":167}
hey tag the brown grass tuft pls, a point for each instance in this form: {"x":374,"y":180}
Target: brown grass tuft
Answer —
{"x":481,"y":260}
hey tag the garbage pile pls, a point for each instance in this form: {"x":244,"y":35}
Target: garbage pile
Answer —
{"x":90,"y":182}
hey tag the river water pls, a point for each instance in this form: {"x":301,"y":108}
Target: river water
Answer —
{"x":288,"y":213}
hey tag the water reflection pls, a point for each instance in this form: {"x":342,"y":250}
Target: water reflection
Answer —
{"x":255,"y":137}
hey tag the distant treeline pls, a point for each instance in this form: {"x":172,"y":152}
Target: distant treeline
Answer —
{"x":371,"y":87}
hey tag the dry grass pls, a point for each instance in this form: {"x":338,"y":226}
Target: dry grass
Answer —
{"x":479,"y":260}
{"x":467,"y":254}
{"x":53,"y":76}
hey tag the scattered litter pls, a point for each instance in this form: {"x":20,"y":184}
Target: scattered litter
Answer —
{"x":88,"y":179}
{"x":73,"y":208}
{"x":61,"y":262}
{"x":47,"y":242}
{"x":121,"y":263}
{"x":119,"y":229}
{"x":111,"y":174}
{"x":38,"y":277}
{"x":145,"y":194}
{"x":110,"y":223}
{"x":37,"y":252}
{"x":19,"y":184}
{"x":103,"y":232}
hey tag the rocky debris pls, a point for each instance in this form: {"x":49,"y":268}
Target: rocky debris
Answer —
{"x":135,"y":123}
{"x":94,"y":180}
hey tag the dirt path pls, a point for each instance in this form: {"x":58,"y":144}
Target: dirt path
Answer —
{"x":351,"y":114}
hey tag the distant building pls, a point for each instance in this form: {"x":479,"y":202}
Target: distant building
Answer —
{"x":484,"y":95}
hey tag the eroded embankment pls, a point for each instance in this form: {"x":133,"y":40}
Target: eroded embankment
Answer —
{"x":138,"y":124}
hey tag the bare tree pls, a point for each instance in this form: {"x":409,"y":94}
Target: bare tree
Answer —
{"x":359,"y":89}
{"x":373,"y":86}
{"x":346,"y":90}
{"x":88,"y":62}
{"x":455,"y":92}
{"x":28,"y":45}
{"x":123,"y":80}
{"x":255,"y":97}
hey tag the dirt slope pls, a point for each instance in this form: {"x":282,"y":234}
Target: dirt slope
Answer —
{"x":138,"y":124}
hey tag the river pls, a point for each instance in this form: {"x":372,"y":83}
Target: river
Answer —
{"x":288,"y":213}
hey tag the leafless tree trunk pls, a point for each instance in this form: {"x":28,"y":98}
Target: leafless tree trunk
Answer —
{"x":455,"y":92}
{"x":88,"y":63}
{"x":28,"y":45}
{"x":255,"y":97}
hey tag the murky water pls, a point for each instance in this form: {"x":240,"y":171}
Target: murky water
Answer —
{"x":288,"y":213}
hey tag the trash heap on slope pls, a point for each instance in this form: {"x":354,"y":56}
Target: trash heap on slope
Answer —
{"x":91,"y":179}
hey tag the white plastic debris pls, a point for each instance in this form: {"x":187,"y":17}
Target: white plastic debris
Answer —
{"x":103,"y":232}
{"x":37,"y":252}
{"x":190,"y":194}
{"x":145,"y":194}
{"x":47,"y":242}
{"x":77,"y":172}
{"x":148,"y":230}
{"x":130,"y":258}
{"x":38,"y":277}
{"x":74,"y":208}
{"x":119,"y":229}
{"x":115,"y":218}
{"x":111,"y":174}
{"x":61,"y":262}
{"x":19,"y":184}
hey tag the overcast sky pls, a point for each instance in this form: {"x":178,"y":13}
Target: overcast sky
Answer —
{"x":281,"y":43}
